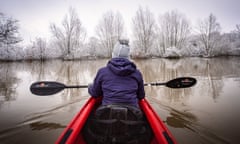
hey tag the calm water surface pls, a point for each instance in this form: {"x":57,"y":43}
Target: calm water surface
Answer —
{"x":207,"y":113}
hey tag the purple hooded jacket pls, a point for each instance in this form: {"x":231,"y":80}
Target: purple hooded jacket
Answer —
{"x":119,"y":83}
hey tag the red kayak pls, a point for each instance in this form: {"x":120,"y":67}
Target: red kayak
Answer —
{"x":77,"y":131}
{"x":116,"y":123}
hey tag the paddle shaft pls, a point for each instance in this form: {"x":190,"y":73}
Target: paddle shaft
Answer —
{"x":86,"y":86}
{"x":154,"y":84}
{"x":77,"y":86}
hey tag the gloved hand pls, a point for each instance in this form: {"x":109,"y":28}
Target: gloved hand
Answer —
{"x":90,"y":85}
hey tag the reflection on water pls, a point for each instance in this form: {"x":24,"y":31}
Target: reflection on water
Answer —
{"x":8,"y":82}
{"x":206,"y":113}
{"x":43,"y":125}
{"x":181,"y":120}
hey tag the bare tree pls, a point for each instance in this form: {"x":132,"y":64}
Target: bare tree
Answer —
{"x":209,"y":34}
{"x":118,"y":25}
{"x":173,"y":30}
{"x":93,"y":48}
{"x":238,"y":28}
{"x":9,"y":35}
{"x":109,"y":30}
{"x":71,"y":35}
{"x":237,"y":31}
{"x":236,"y":39}
{"x":36,"y":50}
{"x":41,"y":45}
{"x":143,"y":31}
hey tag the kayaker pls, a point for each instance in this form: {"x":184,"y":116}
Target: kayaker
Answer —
{"x":119,"y":82}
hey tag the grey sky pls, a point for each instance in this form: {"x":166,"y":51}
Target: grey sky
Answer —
{"x":35,"y":16}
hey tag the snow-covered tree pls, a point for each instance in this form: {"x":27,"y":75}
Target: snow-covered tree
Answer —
{"x":41,"y":44}
{"x":93,"y":48}
{"x":238,"y":28}
{"x":41,"y":49}
{"x":9,"y":27}
{"x":71,"y":35}
{"x":173,"y":30}
{"x":9,"y":36}
{"x":209,"y":34}
{"x":109,"y":30}
{"x":144,"y":27}
{"x":35,"y":50}
{"x":237,"y":32}
{"x":233,"y":44}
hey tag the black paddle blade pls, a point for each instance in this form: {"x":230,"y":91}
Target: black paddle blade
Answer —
{"x":182,"y":82}
{"x":44,"y":88}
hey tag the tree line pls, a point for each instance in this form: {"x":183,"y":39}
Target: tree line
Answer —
{"x":170,"y":35}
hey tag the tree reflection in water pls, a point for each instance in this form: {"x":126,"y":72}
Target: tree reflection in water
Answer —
{"x":8,"y":82}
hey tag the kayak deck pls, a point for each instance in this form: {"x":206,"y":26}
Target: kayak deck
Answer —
{"x":74,"y":132}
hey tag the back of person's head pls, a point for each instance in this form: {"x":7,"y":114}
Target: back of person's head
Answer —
{"x":121,"y":49}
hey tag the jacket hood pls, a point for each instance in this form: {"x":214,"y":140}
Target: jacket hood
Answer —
{"x":121,"y":66}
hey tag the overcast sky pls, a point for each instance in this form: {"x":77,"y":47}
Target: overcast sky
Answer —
{"x":35,"y":16}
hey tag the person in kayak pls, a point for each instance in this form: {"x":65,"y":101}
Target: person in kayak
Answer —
{"x":119,"y":82}
{"x":119,"y":119}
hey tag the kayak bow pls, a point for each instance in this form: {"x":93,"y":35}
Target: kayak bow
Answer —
{"x":74,"y":132}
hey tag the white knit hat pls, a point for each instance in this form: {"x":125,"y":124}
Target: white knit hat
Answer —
{"x":121,"y":49}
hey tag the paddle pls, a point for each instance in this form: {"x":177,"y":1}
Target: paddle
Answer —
{"x":44,"y":88}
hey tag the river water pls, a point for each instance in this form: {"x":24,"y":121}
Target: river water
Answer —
{"x":207,"y":113}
